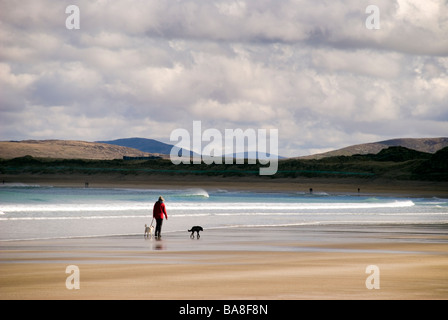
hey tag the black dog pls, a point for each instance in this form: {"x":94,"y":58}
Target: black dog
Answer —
{"x":195,"y":229}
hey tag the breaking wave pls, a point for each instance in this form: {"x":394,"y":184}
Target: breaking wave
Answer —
{"x":198,"y":206}
{"x":288,"y":206}
{"x":197,"y":192}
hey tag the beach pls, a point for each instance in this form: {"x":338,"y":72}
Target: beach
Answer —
{"x":244,"y":261}
{"x":308,"y":262}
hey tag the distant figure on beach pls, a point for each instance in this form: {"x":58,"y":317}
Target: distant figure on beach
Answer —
{"x":158,"y":212}
{"x":311,"y":190}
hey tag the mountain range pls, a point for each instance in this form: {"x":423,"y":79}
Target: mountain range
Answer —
{"x":154,"y":146}
{"x":140,"y":147}
{"x":428,"y":145}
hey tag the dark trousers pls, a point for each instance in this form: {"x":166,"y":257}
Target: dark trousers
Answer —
{"x":159,"y":223}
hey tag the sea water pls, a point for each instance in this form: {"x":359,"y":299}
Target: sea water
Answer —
{"x":36,"y":212}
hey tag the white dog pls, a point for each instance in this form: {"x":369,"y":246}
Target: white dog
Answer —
{"x":148,"y":231}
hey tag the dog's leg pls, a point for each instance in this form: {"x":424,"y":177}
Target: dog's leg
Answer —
{"x":199,"y":235}
{"x":192,"y":235}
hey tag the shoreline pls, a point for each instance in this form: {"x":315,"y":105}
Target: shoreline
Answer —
{"x":381,"y":187}
{"x":292,"y":263}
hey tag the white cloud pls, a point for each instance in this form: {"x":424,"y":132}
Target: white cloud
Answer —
{"x":310,"y":69}
{"x":360,"y":62}
{"x":236,"y":112}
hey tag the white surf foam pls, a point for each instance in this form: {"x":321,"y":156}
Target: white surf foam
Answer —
{"x":18,"y":185}
{"x":197,"y":206}
{"x":289,"y":206}
{"x":74,"y":218}
{"x":195,"y":192}
{"x":74,"y":207}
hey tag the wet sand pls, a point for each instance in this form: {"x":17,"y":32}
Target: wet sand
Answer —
{"x":366,"y":186}
{"x":302,"y":262}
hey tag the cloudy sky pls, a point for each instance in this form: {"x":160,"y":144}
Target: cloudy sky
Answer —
{"x":309,"y":68}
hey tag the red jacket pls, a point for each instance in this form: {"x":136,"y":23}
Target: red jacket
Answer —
{"x":159,"y":210}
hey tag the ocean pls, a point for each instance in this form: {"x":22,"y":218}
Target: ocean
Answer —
{"x":38,"y":212}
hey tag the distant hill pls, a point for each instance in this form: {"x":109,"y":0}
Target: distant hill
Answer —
{"x":66,"y":149}
{"x":147,"y":145}
{"x":254,"y":155}
{"x":154,"y":146}
{"x":428,"y":145}
{"x":142,"y":144}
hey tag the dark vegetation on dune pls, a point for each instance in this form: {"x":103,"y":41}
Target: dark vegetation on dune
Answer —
{"x":392,"y":163}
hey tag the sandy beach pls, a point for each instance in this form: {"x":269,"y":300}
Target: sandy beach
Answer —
{"x":282,"y":263}
{"x":309,"y":262}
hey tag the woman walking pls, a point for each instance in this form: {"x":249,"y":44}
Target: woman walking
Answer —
{"x":158,"y":212}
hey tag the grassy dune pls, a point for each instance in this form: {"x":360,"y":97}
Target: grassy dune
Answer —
{"x":394,"y":163}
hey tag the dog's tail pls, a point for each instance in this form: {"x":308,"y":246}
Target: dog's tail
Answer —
{"x":190,"y":230}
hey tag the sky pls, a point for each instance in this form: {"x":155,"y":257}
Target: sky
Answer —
{"x":143,"y":68}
